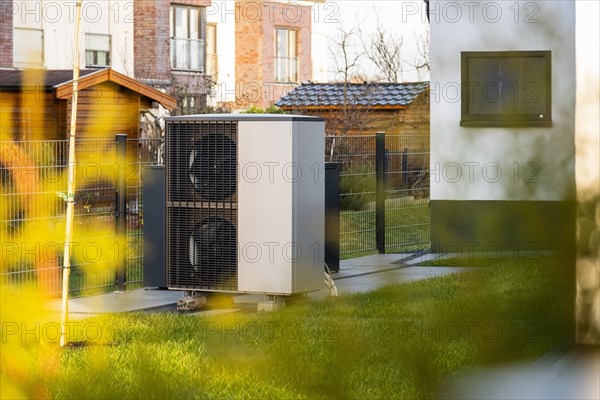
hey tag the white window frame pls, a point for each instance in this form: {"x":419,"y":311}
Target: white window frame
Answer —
{"x":286,"y":64}
{"x":182,"y":48}
{"x":212,"y":57}
{"x":17,"y":47}
{"x":96,"y":51}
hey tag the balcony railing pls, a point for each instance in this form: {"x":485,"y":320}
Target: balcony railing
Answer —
{"x":187,"y":54}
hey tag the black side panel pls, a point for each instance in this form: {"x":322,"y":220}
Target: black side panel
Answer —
{"x":154,"y":226}
{"x":332,"y":216}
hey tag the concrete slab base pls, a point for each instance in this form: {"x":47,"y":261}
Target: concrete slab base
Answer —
{"x":356,"y":275}
{"x":271,"y":305}
{"x":191,"y":303}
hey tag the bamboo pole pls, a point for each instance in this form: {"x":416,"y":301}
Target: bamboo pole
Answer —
{"x":70,"y":185}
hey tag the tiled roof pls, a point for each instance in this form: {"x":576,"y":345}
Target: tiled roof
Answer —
{"x":46,"y":78}
{"x":368,"y":94}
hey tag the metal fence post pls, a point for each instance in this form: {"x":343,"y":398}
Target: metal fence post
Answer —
{"x":380,"y":190}
{"x":405,"y":168}
{"x":120,"y":207}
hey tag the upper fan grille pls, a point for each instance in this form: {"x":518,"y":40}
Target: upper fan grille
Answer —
{"x":201,"y":160}
{"x":212,"y":166}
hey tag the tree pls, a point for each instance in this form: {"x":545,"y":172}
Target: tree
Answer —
{"x":421,"y":62}
{"x":344,"y":54}
{"x":351,"y":115}
{"x":384,"y":49}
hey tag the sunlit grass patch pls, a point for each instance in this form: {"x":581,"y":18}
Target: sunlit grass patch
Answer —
{"x":400,"y":341}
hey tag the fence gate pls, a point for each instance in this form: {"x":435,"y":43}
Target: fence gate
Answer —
{"x":406,"y":193}
{"x":384,"y":193}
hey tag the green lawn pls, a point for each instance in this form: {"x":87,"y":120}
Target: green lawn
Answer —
{"x":397,"y":342}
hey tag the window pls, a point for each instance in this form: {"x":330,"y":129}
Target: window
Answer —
{"x":286,"y":56}
{"x":506,"y":88}
{"x":189,"y":104}
{"x":28,"y":49}
{"x":187,"y":46}
{"x":97,"y":50}
{"x":212,"y":59}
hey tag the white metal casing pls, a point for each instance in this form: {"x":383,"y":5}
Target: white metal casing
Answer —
{"x":280,"y":205}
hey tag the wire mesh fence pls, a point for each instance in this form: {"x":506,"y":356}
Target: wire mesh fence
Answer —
{"x":407,"y":193}
{"x":357,"y":157}
{"x":145,"y":152}
{"x":405,"y":205}
{"x":33,"y":179}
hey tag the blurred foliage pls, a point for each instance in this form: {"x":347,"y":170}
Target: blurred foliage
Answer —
{"x":273,"y":109}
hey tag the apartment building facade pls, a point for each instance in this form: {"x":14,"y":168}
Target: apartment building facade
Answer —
{"x":258,"y":50}
{"x":240,"y":53}
{"x":160,"y":43}
{"x":39,"y":34}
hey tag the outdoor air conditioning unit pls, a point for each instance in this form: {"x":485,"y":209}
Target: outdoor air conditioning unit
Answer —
{"x":245,"y":203}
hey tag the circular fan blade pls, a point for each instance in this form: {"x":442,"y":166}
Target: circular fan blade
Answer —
{"x":212,"y":167}
{"x":212,"y":245}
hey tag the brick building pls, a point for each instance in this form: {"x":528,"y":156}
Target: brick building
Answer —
{"x":272,"y":50}
{"x":6,"y":32}
{"x":240,"y":53}
{"x":170,"y":49}
{"x":160,"y":43}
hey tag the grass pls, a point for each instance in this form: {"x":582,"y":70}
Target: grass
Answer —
{"x":483,"y":261}
{"x":401,"y":341}
{"x":407,"y":228}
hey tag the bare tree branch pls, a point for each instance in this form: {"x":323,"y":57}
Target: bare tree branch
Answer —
{"x":346,"y":59}
{"x":384,"y":49}
{"x":422,"y":60}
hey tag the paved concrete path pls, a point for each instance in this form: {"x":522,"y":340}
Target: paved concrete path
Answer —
{"x":565,"y":373}
{"x":116,"y":302}
{"x":368,"y":273}
{"x":379,"y":270}
{"x":356,"y":275}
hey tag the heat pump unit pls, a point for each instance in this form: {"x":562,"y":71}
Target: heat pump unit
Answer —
{"x":245,"y":203}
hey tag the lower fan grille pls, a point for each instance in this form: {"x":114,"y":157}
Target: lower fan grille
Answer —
{"x":202,"y":245}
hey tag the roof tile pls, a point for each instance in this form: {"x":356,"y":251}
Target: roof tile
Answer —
{"x":332,"y":94}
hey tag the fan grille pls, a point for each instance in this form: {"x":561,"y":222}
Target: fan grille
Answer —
{"x":201,"y":164}
{"x":212,"y":166}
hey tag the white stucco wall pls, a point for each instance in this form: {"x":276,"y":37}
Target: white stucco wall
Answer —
{"x":324,"y":15}
{"x":587,"y":141}
{"x":588,"y":102}
{"x":465,"y":162}
{"x":222,"y":13}
{"x":56,"y":19}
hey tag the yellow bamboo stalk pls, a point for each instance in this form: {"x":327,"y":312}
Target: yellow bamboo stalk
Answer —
{"x":71,"y":185}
